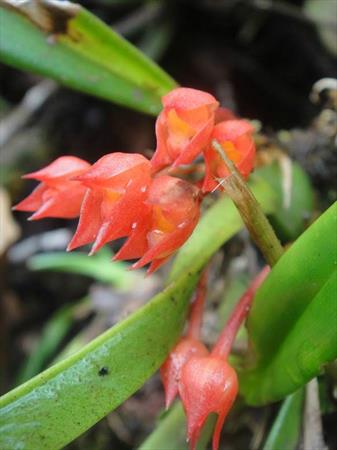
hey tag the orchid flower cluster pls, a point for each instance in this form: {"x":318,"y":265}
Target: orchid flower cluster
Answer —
{"x":128,"y":196}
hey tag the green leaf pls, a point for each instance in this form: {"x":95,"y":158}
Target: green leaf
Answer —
{"x":286,"y":429}
{"x":294,"y":197}
{"x":292,"y":324}
{"x":62,"y":402}
{"x":62,"y":40}
{"x":99,"y":266}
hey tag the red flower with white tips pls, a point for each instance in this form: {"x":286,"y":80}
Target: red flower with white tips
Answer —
{"x":117,"y":188}
{"x":184,"y":127}
{"x":175,"y":212}
{"x":57,"y":195}
{"x":235,"y":137}
{"x":208,"y":385}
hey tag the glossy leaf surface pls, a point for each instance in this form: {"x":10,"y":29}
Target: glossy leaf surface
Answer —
{"x":292,"y":324}
{"x":61,"y":403}
{"x":62,"y":40}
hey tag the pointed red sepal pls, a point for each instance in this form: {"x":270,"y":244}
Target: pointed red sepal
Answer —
{"x":118,"y":185}
{"x":115,"y":170}
{"x":58,"y":195}
{"x":235,"y":136}
{"x":175,"y":213}
{"x":33,"y":201}
{"x":184,"y":127}
{"x":62,"y":168}
{"x":207,"y":385}
{"x":170,"y":371}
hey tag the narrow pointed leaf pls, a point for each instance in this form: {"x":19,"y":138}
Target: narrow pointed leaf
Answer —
{"x":286,"y":429}
{"x":64,"y":41}
{"x":62,"y":402}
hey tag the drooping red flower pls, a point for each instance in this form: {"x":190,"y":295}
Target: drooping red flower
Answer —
{"x":183,"y":127}
{"x":117,"y":188}
{"x":208,"y":385}
{"x":235,"y":137}
{"x":174,"y":214}
{"x":170,"y":371}
{"x":57,"y":195}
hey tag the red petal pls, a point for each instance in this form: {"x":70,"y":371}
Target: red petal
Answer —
{"x":187,"y":98}
{"x":137,"y":244}
{"x":230,"y":130}
{"x":33,"y":201}
{"x":61,"y":168}
{"x":170,"y":371}
{"x":90,"y":220}
{"x":65,"y":204}
{"x":167,"y":246}
{"x":121,"y":216}
{"x":161,"y":156}
{"x":114,"y":171}
{"x":196,"y":145}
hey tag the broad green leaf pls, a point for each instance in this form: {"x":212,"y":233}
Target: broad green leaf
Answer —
{"x":292,"y":324}
{"x":286,"y":429}
{"x":99,"y":266}
{"x":62,"y":402}
{"x":64,"y":41}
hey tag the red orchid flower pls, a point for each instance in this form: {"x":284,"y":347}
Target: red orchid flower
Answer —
{"x":161,"y":231}
{"x":208,"y":384}
{"x":57,"y":195}
{"x":184,"y":127}
{"x":235,"y":136}
{"x":117,"y":188}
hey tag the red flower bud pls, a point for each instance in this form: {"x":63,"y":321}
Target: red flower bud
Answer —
{"x":58,"y":195}
{"x":184,"y":127}
{"x":207,"y":385}
{"x":170,"y":371}
{"x":118,"y":185}
{"x":235,"y":136}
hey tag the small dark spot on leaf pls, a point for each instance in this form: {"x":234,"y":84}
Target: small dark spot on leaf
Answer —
{"x":103,"y":371}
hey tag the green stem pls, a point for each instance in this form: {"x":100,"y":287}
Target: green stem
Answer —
{"x":250,"y":210}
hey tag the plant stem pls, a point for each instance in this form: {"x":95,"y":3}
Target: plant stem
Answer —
{"x":250,"y":210}
{"x":224,"y":343}
{"x":197,"y":307}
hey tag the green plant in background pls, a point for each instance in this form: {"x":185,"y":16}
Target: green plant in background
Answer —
{"x":291,"y":327}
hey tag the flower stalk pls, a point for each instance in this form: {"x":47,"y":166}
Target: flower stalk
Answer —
{"x":250,"y":210}
{"x":225,"y":341}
